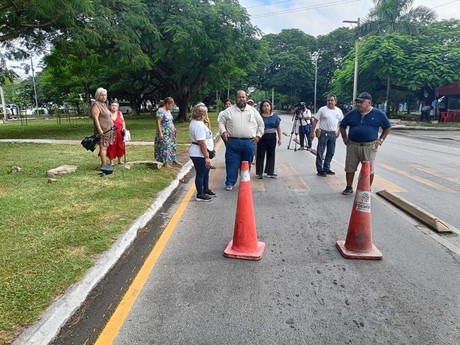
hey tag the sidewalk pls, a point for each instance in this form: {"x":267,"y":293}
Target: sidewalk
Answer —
{"x":66,"y":142}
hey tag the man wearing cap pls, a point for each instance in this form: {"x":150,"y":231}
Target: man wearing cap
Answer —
{"x":241,"y":126}
{"x":328,"y":117}
{"x":362,"y":139}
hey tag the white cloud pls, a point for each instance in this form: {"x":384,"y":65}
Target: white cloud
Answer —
{"x":319,"y":17}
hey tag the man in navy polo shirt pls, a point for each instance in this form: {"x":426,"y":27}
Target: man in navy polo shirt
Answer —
{"x":362,"y":139}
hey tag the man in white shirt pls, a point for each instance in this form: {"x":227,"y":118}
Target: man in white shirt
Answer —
{"x":304,"y":116}
{"x":241,"y":127}
{"x":329,"y":118}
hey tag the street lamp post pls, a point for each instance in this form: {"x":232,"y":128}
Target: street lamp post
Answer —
{"x":315,"y":56}
{"x":33,"y":79}
{"x":355,"y":81}
{"x":273,"y":96}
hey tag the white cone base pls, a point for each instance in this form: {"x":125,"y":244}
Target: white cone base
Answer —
{"x":374,"y":254}
{"x":253,"y":255}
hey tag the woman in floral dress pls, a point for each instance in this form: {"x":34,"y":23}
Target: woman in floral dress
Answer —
{"x":165,"y":139}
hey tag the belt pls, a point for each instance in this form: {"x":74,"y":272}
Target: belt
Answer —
{"x":329,"y":132}
{"x":363,"y":144}
{"x":240,"y":138}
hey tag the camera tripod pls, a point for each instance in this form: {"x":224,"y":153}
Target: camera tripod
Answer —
{"x":294,"y":131}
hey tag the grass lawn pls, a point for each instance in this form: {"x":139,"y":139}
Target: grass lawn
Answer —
{"x":53,"y":232}
{"x":142,"y":128}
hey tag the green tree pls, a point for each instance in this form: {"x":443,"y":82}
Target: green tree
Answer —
{"x":417,"y":65}
{"x":107,"y":53}
{"x":396,"y":16}
{"x":331,"y":52}
{"x":34,"y":22}
{"x":289,"y":68}
{"x":200,"y":42}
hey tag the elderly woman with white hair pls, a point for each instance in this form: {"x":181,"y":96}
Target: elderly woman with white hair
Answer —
{"x":103,"y":123}
{"x":201,"y":152}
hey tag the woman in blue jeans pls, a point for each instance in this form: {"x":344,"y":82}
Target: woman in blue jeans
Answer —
{"x":202,"y":144}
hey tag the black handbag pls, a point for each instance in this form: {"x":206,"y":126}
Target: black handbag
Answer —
{"x":90,"y":142}
{"x":211,"y":154}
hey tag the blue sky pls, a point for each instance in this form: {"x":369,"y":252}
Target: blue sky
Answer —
{"x":319,"y":17}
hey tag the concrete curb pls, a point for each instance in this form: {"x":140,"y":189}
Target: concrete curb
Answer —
{"x":395,"y":127}
{"x":416,"y":212}
{"x":55,"y":317}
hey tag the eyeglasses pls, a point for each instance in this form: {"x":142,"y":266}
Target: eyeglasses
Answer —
{"x":359,"y":102}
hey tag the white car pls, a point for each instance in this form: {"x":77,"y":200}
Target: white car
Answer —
{"x":125,"y":107}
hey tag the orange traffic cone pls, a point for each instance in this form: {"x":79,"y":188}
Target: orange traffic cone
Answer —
{"x":244,"y":244}
{"x":358,"y":244}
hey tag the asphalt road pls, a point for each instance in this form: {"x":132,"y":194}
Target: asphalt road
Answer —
{"x":302,"y":291}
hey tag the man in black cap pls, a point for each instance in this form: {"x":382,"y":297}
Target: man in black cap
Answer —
{"x":362,"y":139}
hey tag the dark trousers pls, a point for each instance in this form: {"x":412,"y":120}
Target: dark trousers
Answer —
{"x":266,"y":146}
{"x":305,"y":131}
{"x":202,"y":174}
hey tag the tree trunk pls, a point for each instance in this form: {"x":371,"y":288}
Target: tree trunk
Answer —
{"x":5,"y":115}
{"x":182,"y":103}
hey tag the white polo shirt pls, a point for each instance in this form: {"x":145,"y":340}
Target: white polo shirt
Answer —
{"x":329,"y":119}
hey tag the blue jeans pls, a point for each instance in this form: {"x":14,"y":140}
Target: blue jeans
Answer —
{"x":326,"y":142}
{"x":202,"y":174}
{"x":236,"y":152}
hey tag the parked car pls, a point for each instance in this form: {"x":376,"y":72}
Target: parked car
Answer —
{"x":125,"y":107}
{"x":40,"y":111}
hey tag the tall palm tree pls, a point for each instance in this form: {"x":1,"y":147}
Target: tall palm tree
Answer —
{"x":395,"y":16}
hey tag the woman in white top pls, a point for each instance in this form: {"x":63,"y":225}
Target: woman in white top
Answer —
{"x":202,"y":145}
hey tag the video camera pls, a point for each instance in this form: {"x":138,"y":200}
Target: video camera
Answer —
{"x":301,"y":106}
{"x":299,"y":109}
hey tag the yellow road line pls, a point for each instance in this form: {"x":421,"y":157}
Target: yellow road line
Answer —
{"x":387,"y":185}
{"x":258,"y":185}
{"x":381,"y":182}
{"x":437,"y":173}
{"x":418,"y":179}
{"x":293,"y":181}
{"x":115,"y":323}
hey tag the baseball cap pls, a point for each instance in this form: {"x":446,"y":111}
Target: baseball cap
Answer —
{"x":250,"y":102}
{"x":364,"y":96}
